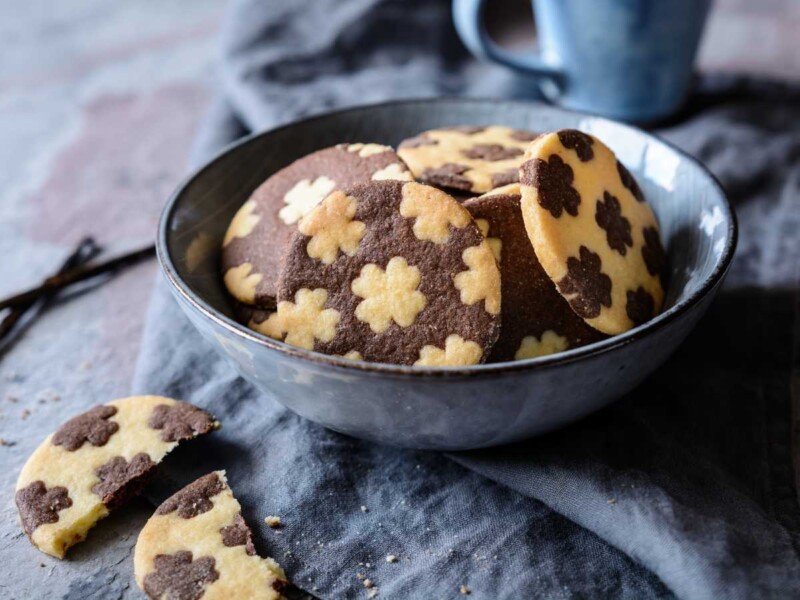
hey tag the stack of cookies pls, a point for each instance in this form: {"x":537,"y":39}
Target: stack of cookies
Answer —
{"x":466,"y":245}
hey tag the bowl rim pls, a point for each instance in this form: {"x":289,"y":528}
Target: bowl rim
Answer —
{"x":560,"y":358}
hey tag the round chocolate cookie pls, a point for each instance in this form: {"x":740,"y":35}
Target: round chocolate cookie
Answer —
{"x":466,"y":158}
{"x":389,"y":272}
{"x":536,"y":320}
{"x":593,"y":231}
{"x":260,"y":231}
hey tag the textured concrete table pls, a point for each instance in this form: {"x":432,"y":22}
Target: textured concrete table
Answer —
{"x":98,"y":104}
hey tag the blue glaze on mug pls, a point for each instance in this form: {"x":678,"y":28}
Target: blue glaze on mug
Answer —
{"x":627,"y":59}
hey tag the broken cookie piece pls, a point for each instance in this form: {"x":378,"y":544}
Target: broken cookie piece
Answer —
{"x":96,"y":461}
{"x":197,"y":545}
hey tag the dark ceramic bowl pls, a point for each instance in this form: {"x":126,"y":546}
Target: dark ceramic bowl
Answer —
{"x":446,"y":408}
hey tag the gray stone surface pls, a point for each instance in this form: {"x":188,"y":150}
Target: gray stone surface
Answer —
{"x":98,"y":104}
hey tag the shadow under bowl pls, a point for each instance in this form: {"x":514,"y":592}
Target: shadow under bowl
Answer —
{"x":446,"y":408}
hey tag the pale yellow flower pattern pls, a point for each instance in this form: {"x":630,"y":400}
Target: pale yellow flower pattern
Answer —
{"x":389,"y":295}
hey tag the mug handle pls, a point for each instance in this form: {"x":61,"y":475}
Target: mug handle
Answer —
{"x":468,"y":20}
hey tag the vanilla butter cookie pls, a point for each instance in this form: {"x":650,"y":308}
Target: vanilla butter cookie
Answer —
{"x":467,"y":158}
{"x":260,"y":231}
{"x":536,"y":320}
{"x":95,"y":462}
{"x":197,"y":545}
{"x":593,"y":232}
{"x":389,"y":272}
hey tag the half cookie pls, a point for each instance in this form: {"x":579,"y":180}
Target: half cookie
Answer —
{"x":260,"y":232}
{"x":197,"y":545}
{"x":96,"y":461}
{"x":593,"y":231}
{"x":389,"y":272}
{"x":467,"y":158}
{"x":536,"y":320}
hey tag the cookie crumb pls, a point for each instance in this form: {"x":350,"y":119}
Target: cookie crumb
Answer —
{"x":364,"y":508}
{"x":5,"y":442}
{"x":391,"y":558}
{"x":273,"y":522}
{"x":85,"y":365}
{"x":368,"y":583}
{"x":360,"y":576}
{"x":50,"y":395}
{"x":372,"y":593}
{"x":611,"y":501}
{"x":464,"y":590}
{"x":25,"y":414}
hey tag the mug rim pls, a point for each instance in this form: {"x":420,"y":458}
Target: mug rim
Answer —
{"x":662,"y":320}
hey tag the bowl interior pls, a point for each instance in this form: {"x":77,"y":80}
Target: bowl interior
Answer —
{"x":697,"y":225}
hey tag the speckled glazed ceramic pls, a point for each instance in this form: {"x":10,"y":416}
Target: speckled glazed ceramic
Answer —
{"x":446,"y":408}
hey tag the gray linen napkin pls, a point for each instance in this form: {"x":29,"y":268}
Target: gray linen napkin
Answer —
{"x":685,"y":487}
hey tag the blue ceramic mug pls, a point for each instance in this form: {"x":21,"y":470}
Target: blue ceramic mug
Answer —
{"x":626,"y":59}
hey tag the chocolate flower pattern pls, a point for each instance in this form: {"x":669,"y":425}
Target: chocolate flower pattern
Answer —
{"x":92,"y":426}
{"x":609,"y":217}
{"x":553,"y":178}
{"x":629,"y":182}
{"x":179,"y":577}
{"x":653,"y":252}
{"x":180,"y":421}
{"x":491,"y":152}
{"x":640,"y":306}
{"x":39,"y":505}
{"x":585,"y":279}
{"x":449,"y":175}
{"x":120,"y":479}
{"x":572,"y":139}
{"x":238,"y":534}
{"x":194,"y":499}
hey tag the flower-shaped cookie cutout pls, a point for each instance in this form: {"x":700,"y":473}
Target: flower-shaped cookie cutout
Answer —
{"x":585,"y":285}
{"x":496,"y":244}
{"x":579,"y":142}
{"x":608,"y":215}
{"x":434,"y":212}
{"x":653,"y":252}
{"x":302,"y":321}
{"x":242,"y":282}
{"x":367,"y":150}
{"x":243,"y":223}
{"x":549,"y":343}
{"x":389,"y":295}
{"x":332,"y":228}
{"x":180,"y":575}
{"x":457,"y":352}
{"x":482,"y":280}
{"x":394,"y":171}
{"x":553,"y":178}
{"x":639,"y":306}
{"x":303,"y":197}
